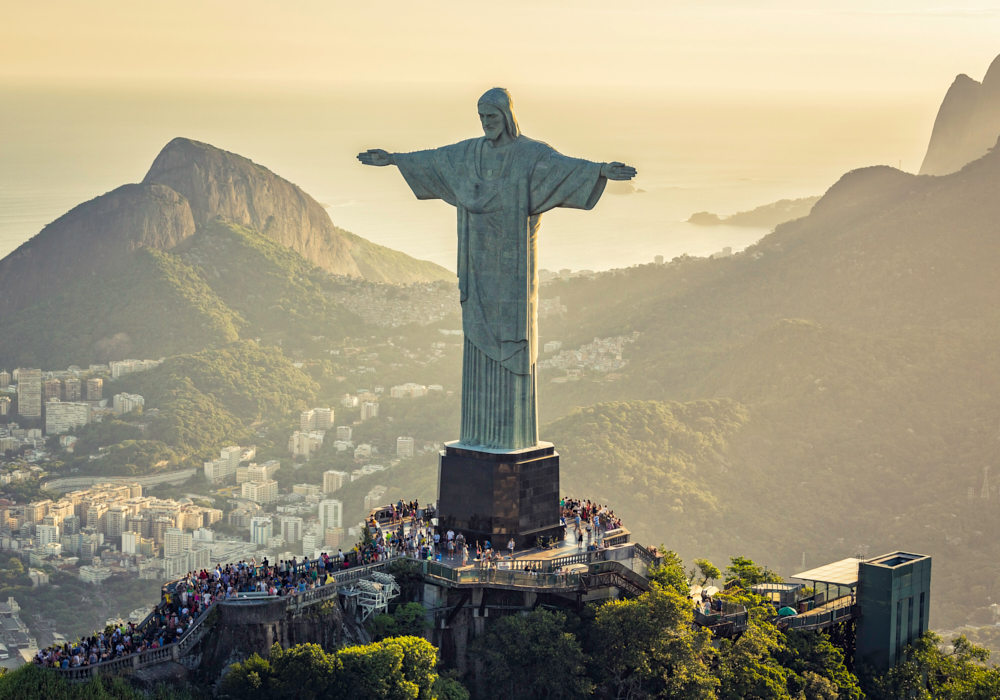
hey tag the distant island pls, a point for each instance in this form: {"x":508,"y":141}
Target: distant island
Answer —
{"x":766,"y":216}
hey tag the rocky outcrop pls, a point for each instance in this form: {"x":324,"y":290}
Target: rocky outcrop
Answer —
{"x":241,"y":630}
{"x":219,"y":183}
{"x":92,"y":239}
{"x":967,"y":124}
{"x":188,"y":185}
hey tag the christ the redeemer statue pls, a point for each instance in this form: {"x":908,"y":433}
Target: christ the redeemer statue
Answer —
{"x":501,"y":184}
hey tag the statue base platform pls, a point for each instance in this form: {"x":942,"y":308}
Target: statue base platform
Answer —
{"x":494,"y":495}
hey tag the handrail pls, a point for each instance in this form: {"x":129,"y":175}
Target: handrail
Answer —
{"x":293,"y":601}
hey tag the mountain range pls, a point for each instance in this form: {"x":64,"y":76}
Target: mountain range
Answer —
{"x":155,"y":266}
{"x":967,"y":124}
{"x":833,"y":389}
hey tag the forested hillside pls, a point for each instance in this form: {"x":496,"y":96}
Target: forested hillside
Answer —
{"x":861,"y":345}
{"x":203,"y":402}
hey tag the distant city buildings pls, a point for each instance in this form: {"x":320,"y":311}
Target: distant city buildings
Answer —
{"x":29,"y":393}
{"x":603,"y":355}
{"x":126,"y":403}
{"x":291,"y":529}
{"x":383,"y":305}
{"x":95,"y":389}
{"x":374,"y":498}
{"x":331,"y":513}
{"x":407,"y":391}
{"x":303,"y":444}
{"x":261,"y":530}
{"x":404,"y":447}
{"x":62,"y":417}
{"x":72,"y":389}
{"x":4,"y":406}
{"x":262,"y":492}
{"x":121,"y":368}
{"x":369,"y":410}
{"x":344,"y":432}
{"x":228,"y":463}
{"x":551,"y":307}
{"x":333,"y":481}
{"x":4,"y":379}
{"x":316,"y":419}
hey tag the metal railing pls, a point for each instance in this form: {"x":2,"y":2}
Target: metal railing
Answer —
{"x":195,"y":633}
{"x":500,"y":577}
{"x":843,"y":609}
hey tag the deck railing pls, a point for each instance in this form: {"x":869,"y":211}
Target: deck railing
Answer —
{"x":843,"y":609}
{"x":194,"y":634}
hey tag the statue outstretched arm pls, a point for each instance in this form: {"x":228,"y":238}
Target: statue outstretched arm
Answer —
{"x":613,"y":171}
{"x":377,"y":157}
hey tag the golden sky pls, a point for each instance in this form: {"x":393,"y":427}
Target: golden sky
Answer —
{"x":714,"y":46}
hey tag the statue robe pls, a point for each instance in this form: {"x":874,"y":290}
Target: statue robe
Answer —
{"x":498,"y":221}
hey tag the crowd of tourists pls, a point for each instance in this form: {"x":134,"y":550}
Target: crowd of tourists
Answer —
{"x":407,"y":533}
{"x":166,"y":627}
{"x":588,"y":519}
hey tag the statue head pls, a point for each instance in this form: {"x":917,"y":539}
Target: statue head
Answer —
{"x":496,"y":112}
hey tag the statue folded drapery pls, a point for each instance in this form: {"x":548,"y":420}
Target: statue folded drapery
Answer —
{"x":500,"y":188}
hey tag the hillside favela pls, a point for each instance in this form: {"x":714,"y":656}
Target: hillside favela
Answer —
{"x":535,"y":351}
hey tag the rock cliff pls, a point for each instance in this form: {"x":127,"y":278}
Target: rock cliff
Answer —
{"x":219,"y":183}
{"x":239,"y":631}
{"x":189,"y":185}
{"x":967,"y":124}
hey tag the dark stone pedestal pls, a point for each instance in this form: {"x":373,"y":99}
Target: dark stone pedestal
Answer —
{"x":495,"y":495}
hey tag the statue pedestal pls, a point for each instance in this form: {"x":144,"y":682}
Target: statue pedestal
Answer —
{"x":498,"y":494}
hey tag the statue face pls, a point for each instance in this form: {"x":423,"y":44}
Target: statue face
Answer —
{"x":492,"y":121}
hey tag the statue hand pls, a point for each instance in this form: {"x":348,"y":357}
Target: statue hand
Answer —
{"x":618,"y":171}
{"x":377,"y":157}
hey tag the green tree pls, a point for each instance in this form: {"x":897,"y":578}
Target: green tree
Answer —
{"x":304,"y":671}
{"x":648,"y":648}
{"x":810,"y":654}
{"x":747,"y":669}
{"x":399,"y":668}
{"x":709,"y":571}
{"x":749,"y":573}
{"x":532,"y":656}
{"x":928,"y":673}
{"x":670,"y":574}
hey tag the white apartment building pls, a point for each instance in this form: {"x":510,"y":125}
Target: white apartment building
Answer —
{"x":123,"y":403}
{"x":333,"y":480}
{"x":176,"y":541}
{"x":29,"y":393}
{"x":408,"y":391}
{"x":228,"y":462}
{"x":261,"y":530}
{"x":307,"y":421}
{"x":62,"y":417}
{"x":46,"y":534}
{"x":261,"y":491}
{"x":130,"y":542}
{"x":404,"y":447}
{"x":291,"y":529}
{"x":369,"y":409}
{"x":344,"y":432}
{"x":311,"y":543}
{"x":323,"y":418}
{"x":263,"y":472}
{"x":302,"y":444}
{"x":94,"y":574}
{"x":331,"y":514}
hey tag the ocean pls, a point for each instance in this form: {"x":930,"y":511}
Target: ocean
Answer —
{"x":59,"y":148}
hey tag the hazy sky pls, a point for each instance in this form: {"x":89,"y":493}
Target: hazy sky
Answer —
{"x":723,"y":105}
{"x":851,"y":46}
